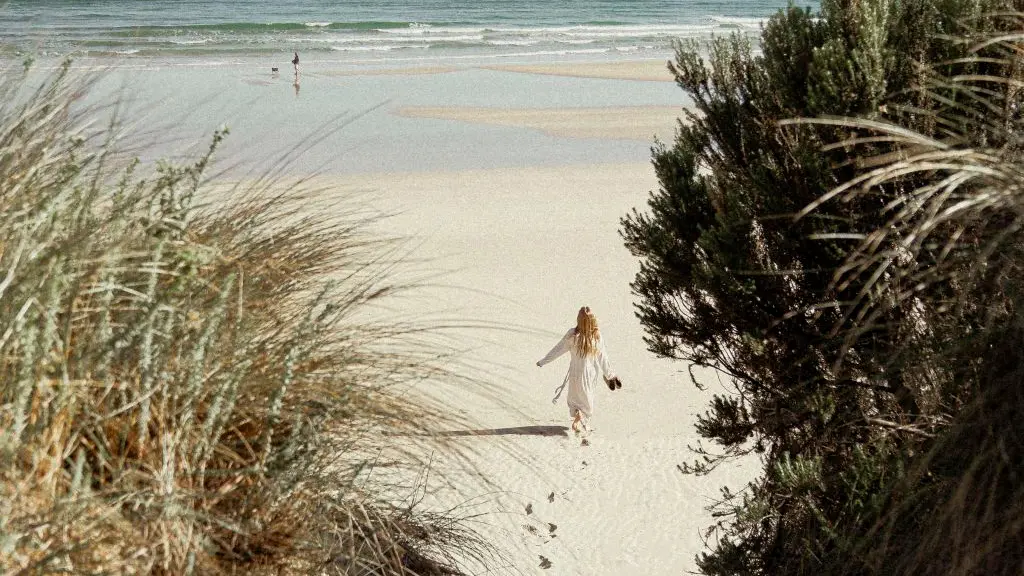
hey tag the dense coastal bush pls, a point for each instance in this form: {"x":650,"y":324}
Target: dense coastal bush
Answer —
{"x":190,"y":388}
{"x":869,"y":330}
{"x":951,"y":252}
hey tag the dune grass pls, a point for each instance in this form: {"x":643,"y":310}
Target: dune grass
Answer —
{"x":190,"y":387}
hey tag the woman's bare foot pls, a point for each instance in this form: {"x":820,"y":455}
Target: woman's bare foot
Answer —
{"x":577,"y":422}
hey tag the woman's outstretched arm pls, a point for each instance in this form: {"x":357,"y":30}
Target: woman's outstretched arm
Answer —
{"x":561,"y":348}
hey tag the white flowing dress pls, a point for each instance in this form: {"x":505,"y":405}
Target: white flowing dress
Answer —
{"x":584,"y":373}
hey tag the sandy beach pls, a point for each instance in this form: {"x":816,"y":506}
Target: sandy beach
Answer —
{"x":520,"y":248}
{"x":509,"y":187}
{"x":524,"y":248}
{"x":311,"y":287}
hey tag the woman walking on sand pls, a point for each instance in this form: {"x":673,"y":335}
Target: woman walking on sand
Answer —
{"x":588,"y":361}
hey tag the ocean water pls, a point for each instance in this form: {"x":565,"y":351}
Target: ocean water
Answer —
{"x":354,"y":31}
{"x":180,"y":68}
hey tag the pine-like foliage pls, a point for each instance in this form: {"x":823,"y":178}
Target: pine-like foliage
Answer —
{"x":749,"y":267}
{"x":950,"y":251}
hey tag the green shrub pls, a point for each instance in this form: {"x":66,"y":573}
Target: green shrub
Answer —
{"x":838,"y":369}
{"x":954,"y":217}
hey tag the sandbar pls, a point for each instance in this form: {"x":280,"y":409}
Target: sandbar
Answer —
{"x":627,"y":123}
{"x":647,"y":70}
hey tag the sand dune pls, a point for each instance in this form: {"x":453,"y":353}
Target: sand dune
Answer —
{"x":628,"y":123}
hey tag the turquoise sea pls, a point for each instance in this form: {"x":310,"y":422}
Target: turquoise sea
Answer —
{"x":370,"y":30}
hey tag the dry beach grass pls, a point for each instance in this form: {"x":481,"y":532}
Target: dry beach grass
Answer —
{"x":187,"y":389}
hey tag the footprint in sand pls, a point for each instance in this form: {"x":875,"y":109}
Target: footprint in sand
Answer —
{"x":545,"y":563}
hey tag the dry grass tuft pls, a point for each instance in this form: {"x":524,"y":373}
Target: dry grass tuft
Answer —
{"x":189,"y":389}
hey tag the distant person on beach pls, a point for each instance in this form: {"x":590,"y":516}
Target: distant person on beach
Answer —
{"x":295,"y":62}
{"x":588,"y":361}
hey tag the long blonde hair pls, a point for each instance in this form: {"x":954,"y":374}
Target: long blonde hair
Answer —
{"x":587,"y":334}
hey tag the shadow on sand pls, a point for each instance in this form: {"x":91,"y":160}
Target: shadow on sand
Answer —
{"x":515,"y":431}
